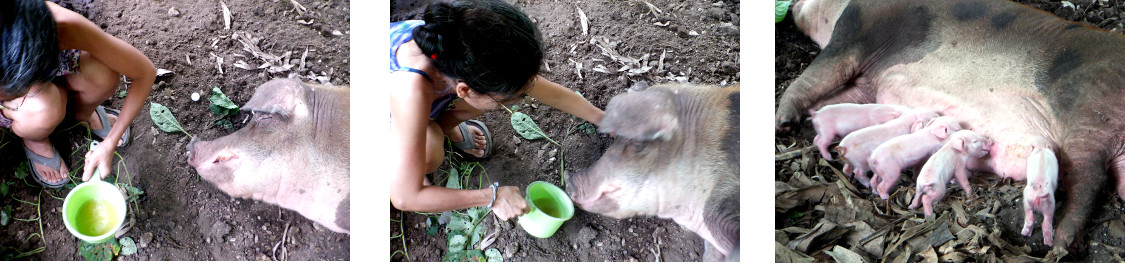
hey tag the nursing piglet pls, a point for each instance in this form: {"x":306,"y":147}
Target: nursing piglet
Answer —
{"x":1039,"y":194}
{"x":856,"y":147}
{"x":947,"y":162}
{"x":888,"y":160}
{"x":839,"y":120}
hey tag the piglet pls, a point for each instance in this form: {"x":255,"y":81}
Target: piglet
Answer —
{"x":857,"y":146}
{"x":839,"y":120}
{"x":947,"y":162}
{"x":888,"y":160}
{"x":1039,"y":194}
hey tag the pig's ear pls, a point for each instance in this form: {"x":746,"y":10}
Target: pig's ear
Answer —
{"x":639,"y":86}
{"x":958,"y":143}
{"x":648,"y":115}
{"x":918,"y":125}
{"x":278,"y":96}
{"x":942,"y":132}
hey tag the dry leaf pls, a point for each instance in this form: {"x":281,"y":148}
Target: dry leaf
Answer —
{"x":583,"y":21}
{"x":784,"y":254}
{"x":825,"y":232}
{"x":303,"y":22}
{"x":226,"y":14}
{"x":218,"y":63}
{"x":242,"y":65}
{"x":929,"y":255}
{"x":297,"y":6}
{"x":163,"y":72}
{"x":652,"y":8}
{"x":843,"y":255}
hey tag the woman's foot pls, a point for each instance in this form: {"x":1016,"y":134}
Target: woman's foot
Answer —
{"x":98,"y":126}
{"x":46,"y":163}
{"x":481,"y":141}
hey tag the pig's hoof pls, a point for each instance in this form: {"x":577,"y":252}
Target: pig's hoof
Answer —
{"x":1027,"y":232}
{"x":466,"y":144}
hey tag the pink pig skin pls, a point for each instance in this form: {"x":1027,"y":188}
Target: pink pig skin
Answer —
{"x":888,"y":160}
{"x":856,"y":148}
{"x":839,"y":120}
{"x":947,"y":162}
{"x":1039,"y":194}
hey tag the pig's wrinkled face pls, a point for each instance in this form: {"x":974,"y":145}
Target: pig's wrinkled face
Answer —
{"x":248,"y":152}
{"x":615,"y":186}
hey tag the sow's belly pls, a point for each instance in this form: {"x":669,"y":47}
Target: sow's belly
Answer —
{"x":994,"y":96}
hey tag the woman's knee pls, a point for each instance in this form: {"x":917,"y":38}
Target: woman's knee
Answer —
{"x":94,"y":77}
{"x":38,"y":115}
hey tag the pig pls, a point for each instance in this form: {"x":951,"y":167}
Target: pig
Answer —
{"x":855,"y":149}
{"x":1039,"y":193}
{"x":675,"y":156}
{"x":1019,"y":76}
{"x":948,"y":162}
{"x":839,"y":120}
{"x":293,"y":153}
{"x":888,"y":160}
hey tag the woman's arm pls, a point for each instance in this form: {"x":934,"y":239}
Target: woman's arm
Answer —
{"x":564,"y":99}
{"x":77,"y":32}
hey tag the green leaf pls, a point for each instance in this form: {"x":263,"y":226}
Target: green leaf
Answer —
{"x":780,"y":8}
{"x":99,"y":252}
{"x":454,"y":180}
{"x":133,"y":193}
{"x":4,"y":189}
{"x":163,"y":119}
{"x":221,"y":105}
{"x":477,"y":213}
{"x":457,"y":243}
{"x":225,"y":123}
{"x":588,"y":128}
{"x":121,"y":93}
{"x":459,"y":224}
{"x":464,"y":256}
{"x":525,"y":126}
{"x":493,"y":255}
{"x":22,"y":171}
{"x":4,"y":218}
{"x":432,"y":225}
{"x":128,"y":247}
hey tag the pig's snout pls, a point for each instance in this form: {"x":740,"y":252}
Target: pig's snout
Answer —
{"x":191,"y":151}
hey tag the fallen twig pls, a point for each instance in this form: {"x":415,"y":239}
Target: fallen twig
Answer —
{"x":226,"y":14}
{"x":792,"y":154}
{"x":284,"y":251}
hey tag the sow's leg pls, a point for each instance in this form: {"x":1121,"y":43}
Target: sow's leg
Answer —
{"x":1083,"y":181}
{"x":826,"y":76}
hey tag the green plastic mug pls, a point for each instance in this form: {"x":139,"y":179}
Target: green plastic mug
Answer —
{"x":550,"y":207}
{"x":94,"y":211}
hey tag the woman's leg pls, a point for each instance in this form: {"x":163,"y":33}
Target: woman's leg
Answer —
{"x":37,"y":115}
{"x":92,"y":85}
{"x":435,"y":151}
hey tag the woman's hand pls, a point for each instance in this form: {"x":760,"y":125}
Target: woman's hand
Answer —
{"x":509,"y":203}
{"x":99,"y":158}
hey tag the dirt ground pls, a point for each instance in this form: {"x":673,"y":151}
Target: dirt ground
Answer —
{"x":180,"y":216}
{"x":816,"y":212}
{"x":699,"y":48}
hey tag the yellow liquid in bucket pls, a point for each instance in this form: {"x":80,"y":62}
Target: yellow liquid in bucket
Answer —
{"x":548,"y":207}
{"x":96,"y":217}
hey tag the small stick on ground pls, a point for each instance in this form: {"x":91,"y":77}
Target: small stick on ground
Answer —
{"x":792,"y":154}
{"x":281,"y":244}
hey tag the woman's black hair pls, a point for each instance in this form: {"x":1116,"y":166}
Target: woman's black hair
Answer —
{"x":489,"y":44}
{"x":29,"y":46}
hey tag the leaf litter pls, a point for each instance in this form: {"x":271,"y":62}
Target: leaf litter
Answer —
{"x":822,"y":215}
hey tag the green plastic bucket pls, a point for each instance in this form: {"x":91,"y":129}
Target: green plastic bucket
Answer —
{"x":550,"y":207}
{"x":94,"y":211}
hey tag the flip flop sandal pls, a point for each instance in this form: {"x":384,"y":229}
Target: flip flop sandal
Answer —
{"x":103,"y":116}
{"x":55,"y":162}
{"x":467,"y":142}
